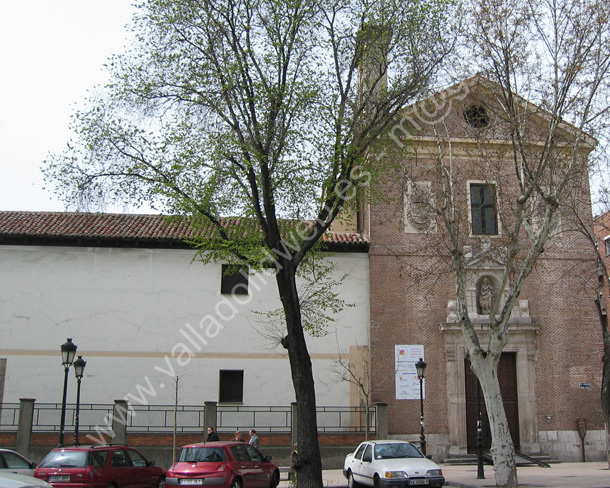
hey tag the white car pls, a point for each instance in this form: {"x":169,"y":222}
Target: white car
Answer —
{"x":13,"y":462}
{"x":382,"y":464}
{"x":14,"y":480}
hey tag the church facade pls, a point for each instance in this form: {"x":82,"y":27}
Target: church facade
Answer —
{"x":550,"y":369}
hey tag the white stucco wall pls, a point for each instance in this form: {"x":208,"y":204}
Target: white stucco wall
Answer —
{"x":141,"y":316}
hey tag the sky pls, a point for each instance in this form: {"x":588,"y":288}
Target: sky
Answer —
{"x":51,"y":53}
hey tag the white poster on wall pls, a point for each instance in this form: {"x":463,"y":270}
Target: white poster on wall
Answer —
{"x":407,"y":382}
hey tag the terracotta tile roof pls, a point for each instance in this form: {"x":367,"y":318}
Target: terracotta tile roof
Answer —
{"x":134,"y":229}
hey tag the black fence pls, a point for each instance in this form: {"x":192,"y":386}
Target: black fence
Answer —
{"x":186,"y":418}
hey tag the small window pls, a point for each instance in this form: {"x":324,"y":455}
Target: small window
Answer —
{"x":14,"y":461}
{"x":58,"y":459}
{"x":231,"y":386}
{"x":137,"y":459}
{"x":368,"y":454}
{"x":607,"y":243}
{"x":203,"y":455}
{"x":99,"y":458}
{"x":120,"y":459}
{"x":234,"y":280}
{"x":476,"y":116}
{"x":254,"y":454}
{"x":483,"y":209}
{"x":240,"y":453}
{"x":359,"y":452}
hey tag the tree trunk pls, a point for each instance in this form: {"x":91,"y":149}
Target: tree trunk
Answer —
{"x":502,"y":448}
{"x":310,"y":470}
{"x":367,"y":423}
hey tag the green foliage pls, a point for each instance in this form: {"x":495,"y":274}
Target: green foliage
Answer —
{"x":247,"y":108}
{"x":318,"y":300}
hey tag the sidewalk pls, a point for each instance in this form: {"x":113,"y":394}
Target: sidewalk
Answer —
{"x":569,"y":475}
{"x":572,"y":475}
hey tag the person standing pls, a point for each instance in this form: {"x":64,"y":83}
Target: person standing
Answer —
{"x":238,"y":437}
{"x":254,"y":440}
{"x":212,"y":436}
{"x":294,"y":458}
{"x":295,"y":464}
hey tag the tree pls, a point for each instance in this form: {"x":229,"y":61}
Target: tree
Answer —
{"x":542,"y":93}
{"x":593,"y":235}
{"x":356,"y":369}
{"x":252,"y":108}
{"x":601,"y":225}
{"x":600,"y":172}
{"x":176,"y":401}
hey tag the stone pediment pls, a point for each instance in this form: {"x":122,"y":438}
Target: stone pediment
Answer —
{"x":484,"y":259}
{"x":485,"y":272}
{"x":473,"y":109}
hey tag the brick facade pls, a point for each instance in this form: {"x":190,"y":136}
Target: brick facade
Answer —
{"x":555,"y":336}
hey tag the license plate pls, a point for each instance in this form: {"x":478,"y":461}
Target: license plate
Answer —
{"x":60,"y":477}
{"x":418,"y":482}
{"x":191,"y":482}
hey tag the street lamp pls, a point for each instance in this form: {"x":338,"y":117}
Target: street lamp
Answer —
{"x":421,"y":371}
{"x":480,"y":470}
{"x":79,"y":371}
{"x":68,"y":351}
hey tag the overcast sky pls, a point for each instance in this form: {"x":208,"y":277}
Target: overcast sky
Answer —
{"x":51,"y":52}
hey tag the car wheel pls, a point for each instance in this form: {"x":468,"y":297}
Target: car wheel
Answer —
{"x":351,"y":482}
{"x":161,"y":482}
{"x":376,"y":483}
{"x":275,"y":479}
{"x":236,"y":483}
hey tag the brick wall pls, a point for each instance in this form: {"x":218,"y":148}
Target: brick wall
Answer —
{"x":412,"y":280}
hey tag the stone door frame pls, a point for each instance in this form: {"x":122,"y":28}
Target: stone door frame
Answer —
{"x":523,"y":341}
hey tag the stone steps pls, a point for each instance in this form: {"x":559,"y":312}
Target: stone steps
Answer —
{"x":471,"y":459}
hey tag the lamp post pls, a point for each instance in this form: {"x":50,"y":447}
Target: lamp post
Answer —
{"x":79,"y":371}
{"x":480,"y":470}
{"x":68,"y":351}
{"x":421,"y":371}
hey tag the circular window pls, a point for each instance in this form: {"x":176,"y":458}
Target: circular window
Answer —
{"x":476,"y":116}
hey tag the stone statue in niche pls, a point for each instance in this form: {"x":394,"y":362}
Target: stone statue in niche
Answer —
{"x":487,"y":293}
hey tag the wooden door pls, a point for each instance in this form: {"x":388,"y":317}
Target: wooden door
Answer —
{"x":507,"y":375}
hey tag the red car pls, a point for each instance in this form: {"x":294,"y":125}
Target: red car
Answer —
{"x":223,"y":465}
{"x":114,"y":466}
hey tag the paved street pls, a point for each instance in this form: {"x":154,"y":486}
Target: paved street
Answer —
{"x":572,"y":475}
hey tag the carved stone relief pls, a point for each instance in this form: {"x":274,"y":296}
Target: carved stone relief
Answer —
{"x":418,"y":208}
{"x":485,"y":271}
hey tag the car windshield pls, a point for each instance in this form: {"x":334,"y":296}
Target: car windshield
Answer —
{"x":202,"y":455}
{"x":398,"y":450}
{"x":65,"y":459}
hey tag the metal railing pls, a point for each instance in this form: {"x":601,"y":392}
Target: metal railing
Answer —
{"x":9,"y":416}
{"x":189,"y":418}
{"x":264,"y":418}
{"x":160,"y":418}
{"x":345,"y":419}
{"x":47,"y":416}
